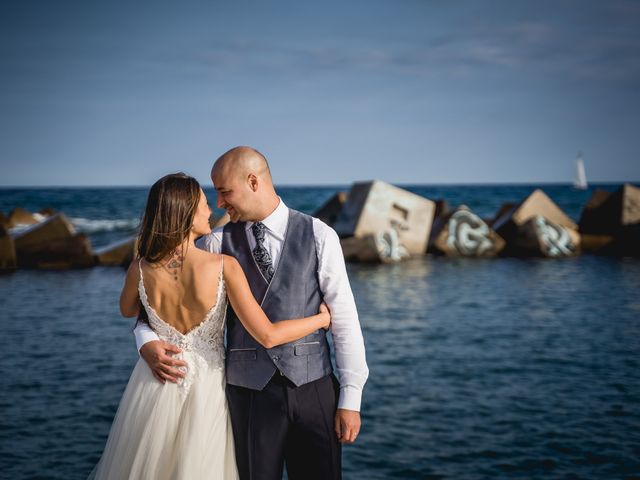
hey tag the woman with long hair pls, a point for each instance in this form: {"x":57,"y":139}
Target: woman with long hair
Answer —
{"x":182,"y":431}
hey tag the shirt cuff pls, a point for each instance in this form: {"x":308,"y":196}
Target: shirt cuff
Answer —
{"x":144,"y":334}
{"x":350,"y":398}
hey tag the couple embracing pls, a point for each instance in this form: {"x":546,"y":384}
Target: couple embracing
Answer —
{"x":194,"y":409}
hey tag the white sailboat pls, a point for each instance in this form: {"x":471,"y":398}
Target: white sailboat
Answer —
{"x":581,"y":177}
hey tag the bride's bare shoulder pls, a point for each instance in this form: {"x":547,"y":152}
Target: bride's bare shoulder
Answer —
{"x":206,"y":259}
{"x":231,"y":265}
{"x":229,"y":261}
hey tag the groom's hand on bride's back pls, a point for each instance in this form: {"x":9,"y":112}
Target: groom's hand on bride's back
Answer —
{"x":159,"y":357}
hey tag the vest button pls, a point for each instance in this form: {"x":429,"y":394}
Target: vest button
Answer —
{"x":275,"y":358}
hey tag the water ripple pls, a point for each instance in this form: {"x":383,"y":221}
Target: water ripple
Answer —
{"x":479,"y":369}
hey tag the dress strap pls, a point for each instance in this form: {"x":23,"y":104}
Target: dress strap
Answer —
{"x":141,"y":288}
{"x":142,"y":291}
{"x":220,"y":280}
{"x":141,"y":282}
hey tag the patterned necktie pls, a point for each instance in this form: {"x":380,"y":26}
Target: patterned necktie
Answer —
{"x":263,"y":259}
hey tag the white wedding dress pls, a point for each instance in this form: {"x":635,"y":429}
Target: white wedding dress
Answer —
{"x":175,"y":431}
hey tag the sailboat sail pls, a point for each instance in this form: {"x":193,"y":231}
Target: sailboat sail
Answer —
{"x":581,"y":176}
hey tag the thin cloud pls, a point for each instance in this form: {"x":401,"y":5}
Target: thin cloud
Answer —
{"x":531,"y":47}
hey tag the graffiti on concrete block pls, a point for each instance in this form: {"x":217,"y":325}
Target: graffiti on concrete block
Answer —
{"x":389,"y":246}
{"x":469,"y":235}
{"x":554,"y":239}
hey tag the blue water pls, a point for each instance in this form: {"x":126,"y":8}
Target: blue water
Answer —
{"x":503,"y":368}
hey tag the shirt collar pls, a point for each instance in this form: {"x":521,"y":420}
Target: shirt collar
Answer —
{"x":277,"y":221}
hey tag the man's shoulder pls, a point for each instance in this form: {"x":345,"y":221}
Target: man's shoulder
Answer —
{"x":319,"y":227}
{"x":293,"y":211}
{"x":211,"y":241}
{"x":322,"y":230}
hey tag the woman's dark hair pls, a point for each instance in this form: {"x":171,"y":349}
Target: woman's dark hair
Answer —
{"x":168,"y":216}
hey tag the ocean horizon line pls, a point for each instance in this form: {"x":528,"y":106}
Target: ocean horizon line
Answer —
{"x":335,"y":185}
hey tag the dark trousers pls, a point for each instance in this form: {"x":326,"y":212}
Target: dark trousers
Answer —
{"x":284,"y":424}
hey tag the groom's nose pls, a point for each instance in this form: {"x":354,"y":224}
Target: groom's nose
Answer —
{"x":219,"y":202}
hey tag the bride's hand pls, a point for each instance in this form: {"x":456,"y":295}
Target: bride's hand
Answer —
{"x":325,"y":314}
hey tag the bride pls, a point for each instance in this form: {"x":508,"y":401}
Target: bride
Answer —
{"x":183,"y":431}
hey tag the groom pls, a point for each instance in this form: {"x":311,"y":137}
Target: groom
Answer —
{"x":286,"y":405}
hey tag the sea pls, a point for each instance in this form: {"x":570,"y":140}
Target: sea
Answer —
{"x":523,"y":368}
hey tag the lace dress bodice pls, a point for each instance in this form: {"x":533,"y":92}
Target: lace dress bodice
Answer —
{"x":203,"y":345}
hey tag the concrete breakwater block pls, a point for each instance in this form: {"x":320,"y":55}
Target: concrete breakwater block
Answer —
{"x":610,"y":222}
{"x":222,"y":221}
{"x":74,"y":252}
{"x":330,"y":210}
{"x":53,"y":243}
{"x":440,"y":216}
{"x":47,"y":212}
{"x":7,"y":251}
{"x":378,"y":209}
{"x":461,"y":233}
{"x":381,"y":247}
{"x":594,"y":226}
{"x":20,"y":216}
{"x":537,"y":226}
{"x":607,"y":213}
{"x":57,"y":227}
{"x":117,"y":254}
{"x":442,"y":208}
{"x":542,"y":236}
{"x":504,"y":208}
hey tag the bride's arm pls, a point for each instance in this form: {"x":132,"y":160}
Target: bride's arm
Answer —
{"x":129,"y":299}
{"x":253,"y":318}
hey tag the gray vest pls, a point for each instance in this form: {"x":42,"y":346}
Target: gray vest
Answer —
{"x":294,"y":292}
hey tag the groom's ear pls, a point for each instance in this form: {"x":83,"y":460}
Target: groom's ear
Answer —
{"x":252,"y":180}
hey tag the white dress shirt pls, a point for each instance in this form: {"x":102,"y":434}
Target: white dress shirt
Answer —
{"x":351,"y":365}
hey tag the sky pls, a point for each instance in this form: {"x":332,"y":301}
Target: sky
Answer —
{"x":332,"y":92}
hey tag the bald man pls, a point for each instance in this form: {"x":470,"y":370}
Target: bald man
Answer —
{"x":287,"y":407}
